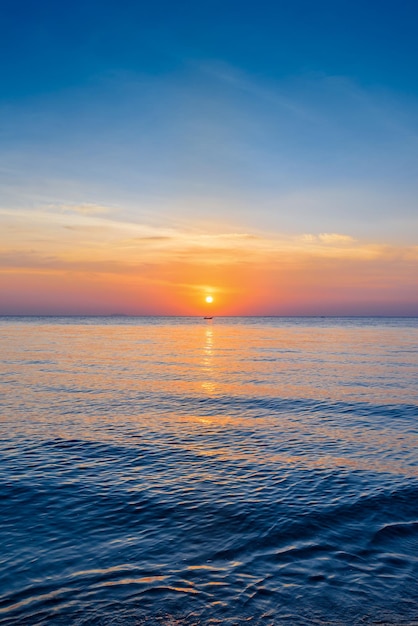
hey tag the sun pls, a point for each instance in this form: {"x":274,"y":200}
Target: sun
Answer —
{"x":209,"y":299}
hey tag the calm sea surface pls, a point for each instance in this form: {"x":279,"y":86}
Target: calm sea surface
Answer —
{"x":183,"y":471}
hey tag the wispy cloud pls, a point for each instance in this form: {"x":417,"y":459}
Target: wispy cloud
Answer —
{"x":328,"y":238}
{"x":87,"y":208}
{"x":80,"y":237}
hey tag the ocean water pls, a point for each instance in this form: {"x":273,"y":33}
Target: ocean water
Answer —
{"x":191,"y":472}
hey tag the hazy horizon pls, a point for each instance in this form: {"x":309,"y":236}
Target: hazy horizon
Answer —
{"x":269,"y":315}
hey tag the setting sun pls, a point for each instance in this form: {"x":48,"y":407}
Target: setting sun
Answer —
{"x":209,"y":299}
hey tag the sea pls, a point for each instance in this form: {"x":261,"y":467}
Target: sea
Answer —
{"x":183,"y":471}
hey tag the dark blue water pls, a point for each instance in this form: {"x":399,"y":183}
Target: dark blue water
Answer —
{"x":178,"y":471}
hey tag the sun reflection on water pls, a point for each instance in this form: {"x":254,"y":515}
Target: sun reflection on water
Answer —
{"x":208,"y":385}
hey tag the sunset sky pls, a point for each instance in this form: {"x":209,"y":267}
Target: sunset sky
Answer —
{"x":154,"y":153}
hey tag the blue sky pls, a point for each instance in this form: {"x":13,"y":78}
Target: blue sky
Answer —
{"x":52,"y":45}
{"x":226,"y":100}
{"x":283,"y":118}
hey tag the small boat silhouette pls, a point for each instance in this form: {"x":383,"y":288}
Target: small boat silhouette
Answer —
{"x":208,"y":317}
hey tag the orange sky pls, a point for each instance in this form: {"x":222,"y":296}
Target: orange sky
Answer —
{"x":82,"y":260}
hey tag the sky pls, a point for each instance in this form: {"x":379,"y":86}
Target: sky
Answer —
{"x":264,"y":153}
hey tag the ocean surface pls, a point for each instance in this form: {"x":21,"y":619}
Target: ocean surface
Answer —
{"x":182,"y":471}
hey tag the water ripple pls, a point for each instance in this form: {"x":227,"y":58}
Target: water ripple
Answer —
{"x":156,"y":472}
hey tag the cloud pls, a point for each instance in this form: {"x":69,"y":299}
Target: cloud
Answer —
{"x":86,"y":208}
{"x":245,"y":83}
{"x":335,"y":238}
{"x":150,"y":238}
{"x":328,"y":238}
{"x":75,"y":240}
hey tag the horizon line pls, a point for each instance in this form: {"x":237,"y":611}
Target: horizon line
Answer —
{"x":198,"y":316}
